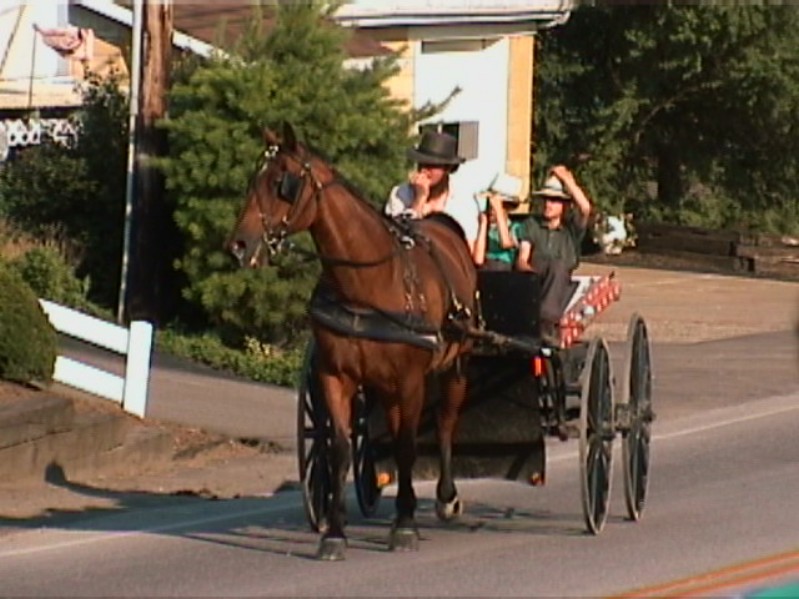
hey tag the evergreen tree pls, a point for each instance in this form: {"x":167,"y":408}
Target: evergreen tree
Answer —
{"x":294,"y":73}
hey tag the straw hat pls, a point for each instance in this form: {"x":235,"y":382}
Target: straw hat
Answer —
{"x":507,"y":186}
{"x":553,"y":190}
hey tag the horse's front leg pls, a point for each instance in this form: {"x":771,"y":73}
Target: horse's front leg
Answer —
{"x":403,"y":418}
{"x":453,"y":395}
{"x":339,"y":392}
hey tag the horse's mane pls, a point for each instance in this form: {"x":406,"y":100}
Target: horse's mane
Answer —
{"x":342,"y":180}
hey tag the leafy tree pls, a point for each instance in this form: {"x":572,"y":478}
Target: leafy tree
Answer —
{"x":294,"y":73}
{"x":698,"y":103}
{"x":78,"y":188}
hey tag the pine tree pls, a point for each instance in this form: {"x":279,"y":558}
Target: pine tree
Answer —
{"x":294,"y":73}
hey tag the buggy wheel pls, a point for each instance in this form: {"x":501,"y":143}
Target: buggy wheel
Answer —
{"x":313,"y":444}
{"x":596,"y":435}
{"x":637,"y":402}
{"x":363,"y":466}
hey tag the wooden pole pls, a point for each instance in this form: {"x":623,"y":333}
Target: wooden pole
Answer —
{"x":150,"y":263}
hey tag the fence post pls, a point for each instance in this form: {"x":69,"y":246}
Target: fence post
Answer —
{"x":137,"y":370}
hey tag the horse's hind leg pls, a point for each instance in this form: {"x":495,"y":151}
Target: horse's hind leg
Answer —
{"x":403,"y":420}
{"x":453,"y":386}
{"x":338,"y":396}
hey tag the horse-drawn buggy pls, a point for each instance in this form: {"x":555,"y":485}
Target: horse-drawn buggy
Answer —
{"x":423,"y":366}
{"x":521,"y":391}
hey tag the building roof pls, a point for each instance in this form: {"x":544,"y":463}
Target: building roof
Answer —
{"x":197,"y":24}
{"x":394,"y":13}
{"x":203,"y":21}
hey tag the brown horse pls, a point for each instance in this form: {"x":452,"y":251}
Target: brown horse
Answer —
{"x":420,"y":274}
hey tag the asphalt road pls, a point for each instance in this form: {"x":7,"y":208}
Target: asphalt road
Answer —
{"x":723,"y":492}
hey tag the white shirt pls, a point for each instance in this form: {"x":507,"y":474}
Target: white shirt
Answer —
{"x":461,"y":207}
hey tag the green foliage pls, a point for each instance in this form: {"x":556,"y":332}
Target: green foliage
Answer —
{"x":47,"y":273}
{"x":78,"y":188}
{"x":687,"y":113}
{"x":27,"y":340}
{"x":44,"y":187}
{"x":217,"y":115}
{"x":276,"y":366}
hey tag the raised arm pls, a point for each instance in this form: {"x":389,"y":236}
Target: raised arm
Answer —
{"x":581,"y":201}
{"x":481,"y":243}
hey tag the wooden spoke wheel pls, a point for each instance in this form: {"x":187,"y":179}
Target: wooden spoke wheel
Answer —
{"x":596,"y":434}
{"x":637,"y":404}
{"x":364,"y":474}
{"x":314,"y":434}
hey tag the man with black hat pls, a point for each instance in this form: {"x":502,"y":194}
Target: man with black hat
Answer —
{"x":550,"y":243}
{"x":430,"y":188}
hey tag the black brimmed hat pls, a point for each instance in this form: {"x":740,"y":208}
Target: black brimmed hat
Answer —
{"x":436,"y":148}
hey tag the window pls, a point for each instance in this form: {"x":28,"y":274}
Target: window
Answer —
{"x":466,"y":132}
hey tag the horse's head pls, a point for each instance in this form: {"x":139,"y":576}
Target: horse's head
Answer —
{"x":281,"y":200}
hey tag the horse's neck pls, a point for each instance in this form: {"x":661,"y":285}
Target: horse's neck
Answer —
{"x":346,"y":228}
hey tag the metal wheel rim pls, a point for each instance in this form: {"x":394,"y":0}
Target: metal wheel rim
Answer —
{"x":312,"y":449}
{"x":638,"y":396}
{"x":596,"y":435}
{"x":364,"y":473}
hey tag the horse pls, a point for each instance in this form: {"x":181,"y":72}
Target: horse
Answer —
{"x":417,"y":279}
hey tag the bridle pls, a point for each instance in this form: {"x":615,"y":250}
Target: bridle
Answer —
{"x":292,"y":189}
{"x":289,"y":188}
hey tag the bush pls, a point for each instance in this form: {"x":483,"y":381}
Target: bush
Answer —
{"x":78,"y":187}
{"x":50,"y":277}
{"x":27,"y":340}
{"x":278,"y":367}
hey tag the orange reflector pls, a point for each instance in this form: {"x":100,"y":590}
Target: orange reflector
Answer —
{"x":536,"y":478}
{"x":383,"y":479}
{"x":537,"y":366}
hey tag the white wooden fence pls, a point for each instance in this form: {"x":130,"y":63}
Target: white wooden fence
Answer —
{"x":135,"y":344}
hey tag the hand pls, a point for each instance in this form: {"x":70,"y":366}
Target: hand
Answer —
{"x":562,"y":173}
{"x":495,"y":201}
{"x":421,"y":181}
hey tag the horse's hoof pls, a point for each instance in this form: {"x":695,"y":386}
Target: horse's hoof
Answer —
{"x":332,"y":549}
{"x":449,"y":510}
{"x":403,"y":539}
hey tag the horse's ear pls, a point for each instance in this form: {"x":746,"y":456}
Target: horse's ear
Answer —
{"x":270,"y":137}
{"x":289,"y":138}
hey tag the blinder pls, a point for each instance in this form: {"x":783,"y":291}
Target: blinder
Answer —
{"x":290,"y":187}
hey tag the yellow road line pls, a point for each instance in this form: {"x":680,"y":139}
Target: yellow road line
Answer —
{"x":712,"y":582}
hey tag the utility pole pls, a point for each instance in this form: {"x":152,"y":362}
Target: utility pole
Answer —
{"x":149,"y":260}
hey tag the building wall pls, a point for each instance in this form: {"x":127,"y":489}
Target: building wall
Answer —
{"x":479,"y":69}
{"x":401,"y":86}
{"x":495,"y":75}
